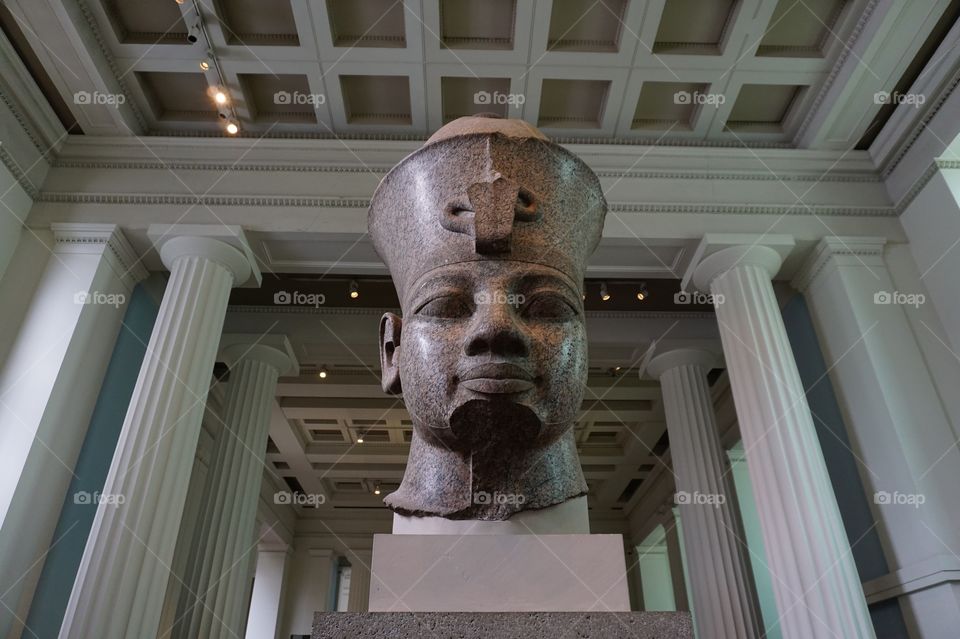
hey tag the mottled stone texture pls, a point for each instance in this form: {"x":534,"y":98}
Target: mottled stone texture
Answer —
{"x":486,"y":231}
{"x":503,"y":625}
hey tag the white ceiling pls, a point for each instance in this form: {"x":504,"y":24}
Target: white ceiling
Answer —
{"x":581,"y":69}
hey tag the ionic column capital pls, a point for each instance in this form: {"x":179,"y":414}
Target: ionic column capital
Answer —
{"x":719,"y":253}
{"x":667,"y":360}
{"x":223,"y":245}
{"x":273,"y":350}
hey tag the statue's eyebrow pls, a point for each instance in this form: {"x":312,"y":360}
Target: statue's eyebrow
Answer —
{"x":453,"y":281}
{"x":530,"y":280}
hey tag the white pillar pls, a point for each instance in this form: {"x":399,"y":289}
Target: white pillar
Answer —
{"x":123,"y":575}
{"x":213,"y":604}
{"x":359,"y":600}
{"x":267,"y":599}
{"x":817,"y":588}
{"x":49,"y":386}
{"x":897,"y":422}
{"x":723,"y":593}
{"x":657,"y":583}
{"x":753,"y":537}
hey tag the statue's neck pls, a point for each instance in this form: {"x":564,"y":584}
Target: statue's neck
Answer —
{"x":491,"y":484}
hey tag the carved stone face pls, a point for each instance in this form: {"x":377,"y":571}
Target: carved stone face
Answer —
{"x":489,"y":351}
{"x":486,"y":231}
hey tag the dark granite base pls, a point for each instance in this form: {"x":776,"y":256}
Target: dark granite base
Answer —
{"x":503,"y":625}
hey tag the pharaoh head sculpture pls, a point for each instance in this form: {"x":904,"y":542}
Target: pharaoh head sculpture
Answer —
{"x":486,"y":231}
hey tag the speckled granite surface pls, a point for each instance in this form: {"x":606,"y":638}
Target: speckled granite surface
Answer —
{"x":503,"y":625}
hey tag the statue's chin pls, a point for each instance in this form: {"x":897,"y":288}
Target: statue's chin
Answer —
{"x":479,"y":423}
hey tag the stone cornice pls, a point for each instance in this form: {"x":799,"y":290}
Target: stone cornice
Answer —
{"x":108,"y":57}
{"x":764,"y":175}
{"x":830,"y":247}
{"x":17,"y":172}
{"x":837,"y":67}
{"x":921,"y":125}
{"x":26,"y":101}
{"x":61,"y":197}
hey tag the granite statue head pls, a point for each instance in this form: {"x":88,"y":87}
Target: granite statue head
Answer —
{"x":486,"y":231}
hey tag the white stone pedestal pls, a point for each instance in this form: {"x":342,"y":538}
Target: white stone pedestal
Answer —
{"x":498,"y":573}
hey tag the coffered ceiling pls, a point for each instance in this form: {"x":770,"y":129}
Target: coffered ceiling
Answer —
{"x":754,"y":72}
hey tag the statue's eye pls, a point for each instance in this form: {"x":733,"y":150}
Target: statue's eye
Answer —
{"x":548,"y":307}
{"x":447,"y":307}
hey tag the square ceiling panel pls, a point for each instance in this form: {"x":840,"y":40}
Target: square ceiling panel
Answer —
{"x":762,"y":107}
{"x":370,"y":23}
{"x":666,"y":105}
{"x":693,"y":26}
{"x":467,"y":96}
{"x":178,"y":96}
{"x":800,"y":29}
{"x":280,"y":98}
{"x":477,"y":24}
{"x":586,"y":25}
{"x":146,"y":21}
{"x":573,"y":104}
{"x":258,"y":23}
{"x":376,"y":99}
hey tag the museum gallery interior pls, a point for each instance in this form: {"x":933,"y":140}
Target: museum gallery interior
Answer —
{"x":479,"y":318}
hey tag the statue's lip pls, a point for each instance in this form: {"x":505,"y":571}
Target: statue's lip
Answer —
{"x":497,"y":378}
{"x":497,"y":370}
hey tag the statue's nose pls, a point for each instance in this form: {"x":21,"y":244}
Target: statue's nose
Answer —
{"x":495,"y":331}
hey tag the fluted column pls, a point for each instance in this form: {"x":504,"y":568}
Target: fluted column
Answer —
{"x":123,"y":575}
{"x":723,"y":592}
{"x":815,"y":581}
{"x":214,"y":602}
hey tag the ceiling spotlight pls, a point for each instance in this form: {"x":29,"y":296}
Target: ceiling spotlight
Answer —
{"x":232,"y":128}
{"x":642,"y":292}
{"x":220,"y":97}
{"x":180,"y":1}
{"x":354,"y":290}
{"x":359,"y":438}
{"x":322,"y":373}
{"x":205,"y":64}
{"x":604,"y":293}
{"x":376,"y":488}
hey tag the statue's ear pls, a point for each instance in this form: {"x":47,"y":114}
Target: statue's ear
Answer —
{"x":390,"y":326}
